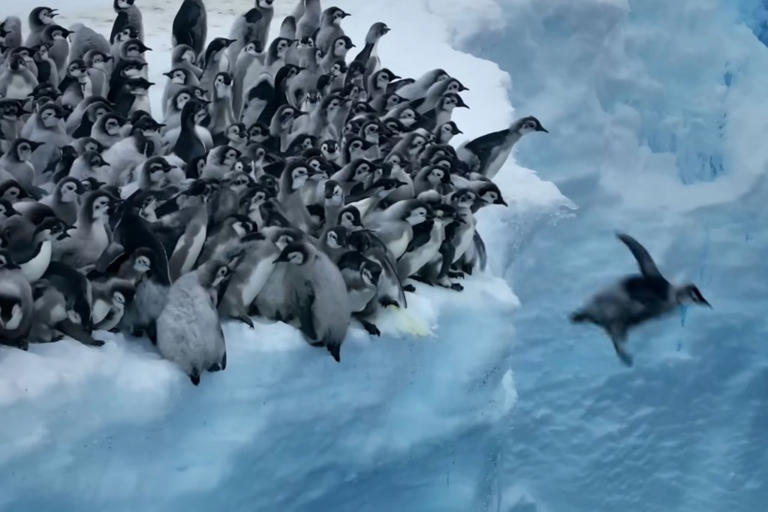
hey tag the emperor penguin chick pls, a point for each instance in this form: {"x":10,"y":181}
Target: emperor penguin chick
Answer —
{"x":318,"y":296}
{"x":188,"y":329}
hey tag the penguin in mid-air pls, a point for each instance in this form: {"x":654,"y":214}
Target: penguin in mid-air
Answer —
{"x":486,"y":154}
{"x":635,"y":300}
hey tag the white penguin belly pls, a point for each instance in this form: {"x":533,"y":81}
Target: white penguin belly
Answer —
{"x":14,"y":322}
{"x":36,"y":267}
{"x":465,"y":242}
{"x":399,"y":245}
{"x":194,"y":250}
{"x":257,"y":279}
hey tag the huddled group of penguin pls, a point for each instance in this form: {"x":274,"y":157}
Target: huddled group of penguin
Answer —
{"x":288,"y":178}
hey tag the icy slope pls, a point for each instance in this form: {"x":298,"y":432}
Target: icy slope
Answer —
{"x":407,"y":422}
{"x":658,"y":114}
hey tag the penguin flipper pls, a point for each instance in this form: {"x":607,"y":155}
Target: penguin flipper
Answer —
{"x":618,"y":336}
{"x":335,"y":350}
{"x":304,"y":308}
{"x":484,"y":145}
{"x":482,"y":255}
{"x":644,"y":260}
{"x":78,"y":333}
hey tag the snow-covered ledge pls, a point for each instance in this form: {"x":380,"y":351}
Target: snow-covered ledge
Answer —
{"x":410,"y":421}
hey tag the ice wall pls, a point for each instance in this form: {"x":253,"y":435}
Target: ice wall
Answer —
{"x":658,"y":112}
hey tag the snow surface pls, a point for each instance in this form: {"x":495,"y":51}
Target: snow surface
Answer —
{"x":410,"y":421}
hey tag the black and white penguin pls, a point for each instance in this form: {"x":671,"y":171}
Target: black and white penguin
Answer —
{"x":190,"y":26}
{"x":635,"y":300}
{"x":486,"y":154}
{"x":16,"y":304}
{"x":128,"y":17}
{"x":39,"y":18}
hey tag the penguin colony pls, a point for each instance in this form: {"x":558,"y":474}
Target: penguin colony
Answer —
{"x":292,"y":177}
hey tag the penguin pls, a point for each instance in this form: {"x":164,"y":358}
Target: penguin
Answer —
{"x":90,"y":237}
{"x":133,"y":96}
{"x":361,"y":276}
{"x":39,"y":18}
{"x":56,"y":37}
{"x":108,"y":129}
{"x":330,"y":28}
{"x":418,"y":89}
{"x":318,"y":296}
{"x":11,"y":27}
{"x":368,"y":56}
{"x":249,"y":277}
{"x":46,"y":126}
{"x":188,"y":328}
{"x":309,"y":21}
{"x":16,"y":163}
{"x":34,"y":265}
{"x":189,"y":144}
{"x":76,"y":84}
{"x":293,"y":178}
{"x":16,"y":304}
{"x":222,"y":114}
{"x":190,"y":25}
{"x":442,"y":113}
{"x":426,"y":242}
{"x":85,"y":40}
{"x":128,"y":16}
{"x":47,"y":70}
{"x":17,"y":80}
{"x":109,"y":301}
{"x":486,"y":154}
{"x":215,"y":61}
{"x":190,"y":244}
{"x":635,"y":300}
{"x":249,"y":68}
{"x":435,"y":92}
{"x":64,"y":199}
{"x":245,"y":30}
{"x":394,"y":226}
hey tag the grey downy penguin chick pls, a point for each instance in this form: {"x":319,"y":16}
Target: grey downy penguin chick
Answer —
{"x":394,"y":226}
{"x":84,"y":40}
{"x":249,"y":277}
{"x":318,"y":296}
{"x":36,"y":262}
{"x":90,"y":237}
{"x":368,"y":56}
{"x":244,"y":30}
{"x":215,"y":61}
{"x":64,"y":199}
{"x":109,"y":302}
{"x":16,"y":305}
{"x":361,"y":276}
{"x":17,"y":80}
{"x":635,"y":300}
{"x":11,"y":27}
{"x":330,"y":28}
{"x":188,"y":329}
{"x":17,"y":162}
{"x":128,"y":16}
{"x":39,"y":18}
{"x":486,"y":154}
{"x":426,"y":243}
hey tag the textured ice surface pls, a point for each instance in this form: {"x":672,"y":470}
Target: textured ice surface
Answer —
{"x":658,"y":111}
{"x":412,"y":421}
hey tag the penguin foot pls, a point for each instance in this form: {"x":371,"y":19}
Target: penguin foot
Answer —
{"x":386,"y":302}
{"x":195,"y":378}
{"x":370,"y":327}
{"x":457,"y":287}
{"x":247,"y":321}
{"x":151,"y":331}
{"x":335,"y":351}
{"x":409,"y":288}
{"x":96,"y":343}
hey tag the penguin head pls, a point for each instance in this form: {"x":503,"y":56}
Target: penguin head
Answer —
{"x":297,"y":175}
{"x":451,"y":100}
{"x":18,"y":63}
{"x":11,"y":109}
{"x":383,"y":77}
{"x":41,"y":16}
{"x":370,"y":272}
{"x":112,"y":123}
{"x":236,"y":133}
{"x":41,"y":50}
{"x":96,"y":59}
{"x":11,"y":191}
{"x":68,"y":190}
{"x":90,"y":184}
{"x":416,"y":144}
{"x":376,"y":31}
{"x":96,"y":206}
{"x":94,"y":160}
{"x":215,"y":47}
{"x":155,"y":170}
{"x":407,"y":116}
{"x":690,"y":294}
{"x":454,"y":85}
{"x":51,"y":228}
{"x":121,"y":5}
{"x":76,"y":68}
{"x":294,"y":253}
{"x":258,"y":133}
{"x":264,"y":4}
{"x":355,"y":147}
{"x":124,"y":35}
{"x":90,"y":144}
{"x":349,"y":217}
{"x":53,"y":33}
{"x":227,"y":156}
{"x":370,"y":130}
{"x":253,"y":15}
{"x":464,"y":198}
{"x":142,"y":260}
{"x":243,"y":226}
{"x":490,"y":194}
{"x":443,"y":212}
{"x":222,"y":274}
{"x":50,"y":114}
{"x":134,"y":49}
{"x":278,"y":48}
{"x":417,"y":214}
{"x":330,"y":149}
{"x":181,"y":98}
{"x":139,"y":86}
{"x":529,"y":124}
{"x":335,"y":15}
{"x":447,"y":130}
{"x":362,"y":170}
{"x":333,"y":193}
{"x":336,"y":237}
{"x":22,"y":149}
{"x":341,"y":45}
{"x":222,"y":84}
{"x":178,"y":76}
{"x":253,"y":48}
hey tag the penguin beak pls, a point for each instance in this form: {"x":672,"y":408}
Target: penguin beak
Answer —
{"x":54,"y":13}
{"x":542,"y":129}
